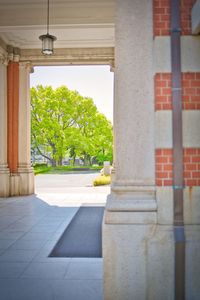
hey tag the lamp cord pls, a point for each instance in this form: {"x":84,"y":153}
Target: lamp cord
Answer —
{"x":47,"y":16}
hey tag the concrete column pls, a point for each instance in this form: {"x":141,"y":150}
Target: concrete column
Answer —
{"x":131,"y":238}
{"x":4,"y":171}
{"x":25,"y":170}
{"x":133,"y":101}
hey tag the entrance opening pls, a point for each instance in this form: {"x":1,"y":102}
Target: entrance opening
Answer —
{"x":71,"y":121}
{"x":71,"y":110}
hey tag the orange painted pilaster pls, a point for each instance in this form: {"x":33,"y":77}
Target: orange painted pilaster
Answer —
{"x":13,"y":114}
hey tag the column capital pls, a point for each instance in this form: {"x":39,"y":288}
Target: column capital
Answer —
{"x":3,"y":59}
{"x":27,"y":65}
{"x":13,"y":53}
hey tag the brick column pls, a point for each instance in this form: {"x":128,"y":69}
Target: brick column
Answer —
{"x":4,"y":171}
{"x":13,"y":114}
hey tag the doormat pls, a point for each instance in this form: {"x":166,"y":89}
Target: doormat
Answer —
{"x":83,"y":235}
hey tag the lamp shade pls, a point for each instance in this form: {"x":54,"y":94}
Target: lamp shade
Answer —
{"x":47,"y":43}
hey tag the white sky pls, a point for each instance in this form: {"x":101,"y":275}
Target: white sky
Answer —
{"x":95,"y":82}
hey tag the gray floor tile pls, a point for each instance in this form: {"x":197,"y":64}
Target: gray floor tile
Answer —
{"x":8,"y":235}
{"x":37,"y":236}
{"x":30,"y":227}
{"x":13,"y":255}
{"x":11,"y":270}
{"x":5,"y":244}
{"x":26,"y":289}
{"x":48,"y":270}
{"x":44,"y":228}
{"x":84,"y":270}
{"x":22,"y":244}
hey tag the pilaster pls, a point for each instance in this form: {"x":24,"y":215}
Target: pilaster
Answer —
{"x":4,"y":171}
{"x":25,"y":170}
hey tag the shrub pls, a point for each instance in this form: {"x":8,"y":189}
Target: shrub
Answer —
{"x":102,"y":180}
{"x":40,"y":165}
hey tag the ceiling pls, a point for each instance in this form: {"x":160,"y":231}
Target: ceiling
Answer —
{"x":75,"y":23}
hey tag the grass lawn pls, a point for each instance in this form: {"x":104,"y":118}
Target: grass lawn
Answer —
{"x":43,"y":169}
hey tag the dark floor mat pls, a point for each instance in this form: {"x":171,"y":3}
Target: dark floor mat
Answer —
{"x":83,"y":236}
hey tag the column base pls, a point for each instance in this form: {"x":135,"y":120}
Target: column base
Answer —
{"x":14,"y":184}
{"x":4,"y":182}
{"x":138,"y":262}
{"x":27,"y":181}
{"x":138,"y":253}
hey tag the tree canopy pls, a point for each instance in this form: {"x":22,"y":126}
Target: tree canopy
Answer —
{"x":64,"y":123}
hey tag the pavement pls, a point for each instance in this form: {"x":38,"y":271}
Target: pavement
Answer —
{"x":71,"y":182}
{"x":30,"y":226}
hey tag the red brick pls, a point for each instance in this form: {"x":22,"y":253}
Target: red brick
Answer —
{"x":189,"y":91}
{"x":187,"y":174}
{"x":161,"y":175}
{"x":195,"y":174}
{"x":159,"y":167}
{"x":167,"y":168}
{"x":190,"y":151}
{"x":168,"y":182}
{"x":167,"y":106}
{"x":161,"y":160}
{"x":191,"y":167}
{"x":195,"y":83}
{"x":158,"y":151}
{"x":191,"y":182}
{"x":186,"y":159}
{"x":161,"y":83}
{"x":195,"y":98}
{"x":166,"y":91}
{"x":196,"y":159}
{"x":159,"y":182}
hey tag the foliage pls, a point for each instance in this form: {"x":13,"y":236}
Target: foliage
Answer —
{"x":41,"y":169}
{"x":102,"y":180}
{"x":65,"y":123}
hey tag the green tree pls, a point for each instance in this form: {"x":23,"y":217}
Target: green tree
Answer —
{"x":64,"y":122}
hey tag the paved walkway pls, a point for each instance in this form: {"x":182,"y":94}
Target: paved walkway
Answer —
{"x":29,"y":228}
{"x":72,"y":182}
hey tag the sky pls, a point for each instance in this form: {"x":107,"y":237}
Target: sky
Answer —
{"x":95,"y":82}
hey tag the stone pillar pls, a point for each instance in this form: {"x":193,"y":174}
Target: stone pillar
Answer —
{"x":25,"y":170}
{"x":4,"y":171}
{"x":131,"y":238}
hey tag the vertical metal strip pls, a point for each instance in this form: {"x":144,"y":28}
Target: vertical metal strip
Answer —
{"x":179,"y":235}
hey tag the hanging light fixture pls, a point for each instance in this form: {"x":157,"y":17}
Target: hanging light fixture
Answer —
{"x":47,"y":39}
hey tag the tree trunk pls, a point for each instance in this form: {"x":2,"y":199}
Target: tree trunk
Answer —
{"x":53,"y":162}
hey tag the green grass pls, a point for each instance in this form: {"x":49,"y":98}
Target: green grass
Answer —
{"x":41,"y":169}
{"x":62,"y":169}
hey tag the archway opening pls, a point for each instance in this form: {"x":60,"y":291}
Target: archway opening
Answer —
{"x":72,"y":108}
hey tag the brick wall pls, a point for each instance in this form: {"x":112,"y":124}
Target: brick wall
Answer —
{"x":161,"y":17}
{"x":163,"y":97}
{"x":164,"y":167}
{"x":190,"y":88}
{"x":190,"y":101}
{"x":191,"y":167}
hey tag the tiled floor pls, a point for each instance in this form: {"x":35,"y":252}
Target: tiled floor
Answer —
{"x":29,"y":228}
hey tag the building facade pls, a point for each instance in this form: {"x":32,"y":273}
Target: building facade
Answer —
{"x":151,"y":226}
